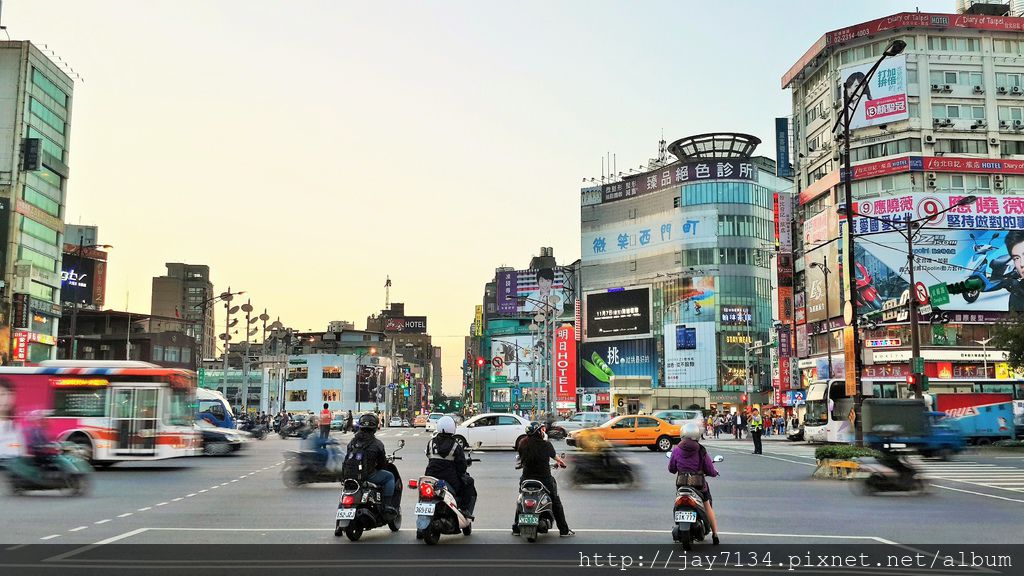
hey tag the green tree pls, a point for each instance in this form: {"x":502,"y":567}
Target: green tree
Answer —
{"x":1009,"y":335}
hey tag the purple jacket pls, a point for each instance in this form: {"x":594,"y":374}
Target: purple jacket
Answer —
{"x":686,"y":458}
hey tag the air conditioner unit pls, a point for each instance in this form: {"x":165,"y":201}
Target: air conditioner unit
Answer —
{"x":936,"y":121}
{"x":1001,"y":90}
{"x":993,"y":141}
{"x":998,"y":177}
{"x":932,"y":184}
{"x":999,"y":185}
{"x":810,"y":148}
{"x":1018,"y":124}
{"x":1004,"y":124}
{"x":979,"y":90}
{"x":929,"y":139}
{"x":836,"y":156}
{"x":936,"y":87}
{"x":931,"y":176}
{"x":947,"y":122}
{"x":978,"y":124}
{"x":1015,"y":90}
{"x":947,"y":88}
{"x":836,"y":105}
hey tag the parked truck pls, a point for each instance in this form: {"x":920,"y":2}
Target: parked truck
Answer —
{"x":980,"y":418}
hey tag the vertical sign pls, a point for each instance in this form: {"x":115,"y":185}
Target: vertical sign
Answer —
{"x":479,"y":322}
{"x":507,"y":287}
{"x":782,"y":166}
{"x":850,"y":365}
{"x":20,"y":346}
{"x":565,"y":367}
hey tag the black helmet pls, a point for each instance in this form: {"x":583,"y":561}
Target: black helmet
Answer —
{"x":534,"y":429}
{"x":368,"y":421}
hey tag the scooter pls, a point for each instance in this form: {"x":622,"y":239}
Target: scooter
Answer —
{"x":1002,"y":275}
{"x":299,"y":428}
{"x":64,"y":469}
{"x":605,"y":467}
{"x":311,"y":466}
{"x":867,"y":294}
{"x":892,"y":473}
{"x":362,"y":505}
{"x":691,"y":518}
{"x":534,"y":510}
{"x":432,"y":520}
{"x":258,"y":431}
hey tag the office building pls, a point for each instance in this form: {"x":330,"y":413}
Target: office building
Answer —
{"x":181,"y":293}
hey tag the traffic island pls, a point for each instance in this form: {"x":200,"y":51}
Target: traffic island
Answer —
{"x":838,"y":462}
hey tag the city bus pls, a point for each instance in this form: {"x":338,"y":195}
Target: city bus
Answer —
{"x":115,"y":411}
{"x":827,"y":417}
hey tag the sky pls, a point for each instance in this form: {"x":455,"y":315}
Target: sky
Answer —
{"x":306,"y":150}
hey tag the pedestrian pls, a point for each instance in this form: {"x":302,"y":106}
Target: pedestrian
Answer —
{"x":756,"y":428}
{"x":325,"y":422}
{"x":780,"y":422}
{"x":348,"y":422}
{"x":718,"y":425}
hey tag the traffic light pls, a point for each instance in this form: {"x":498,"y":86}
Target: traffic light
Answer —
{"x":743,"y":398}
{"x":480,"y":361}
{"x":969,"y":285}
{"x":917,"y":382}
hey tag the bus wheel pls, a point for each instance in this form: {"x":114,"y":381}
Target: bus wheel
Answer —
{"x":84,"y":445}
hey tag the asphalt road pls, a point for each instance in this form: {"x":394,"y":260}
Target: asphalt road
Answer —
{"x":769,"y":499}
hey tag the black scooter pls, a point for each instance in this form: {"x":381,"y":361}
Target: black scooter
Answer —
{"x":689,"y":515}
{"x":258,"y":431}
{"x":362,"y":504}
{"x":605,"y":467}
{"x":310,"y":466}
{"x":534,"y":510}
{"x":298,"y":428}
{"x":892,"y":472}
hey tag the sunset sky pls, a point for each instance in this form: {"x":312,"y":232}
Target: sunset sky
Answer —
{"x":305,"y":150}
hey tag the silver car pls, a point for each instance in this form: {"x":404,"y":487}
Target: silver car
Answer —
{"x":682,"y":417}
{"x":583,"y":420}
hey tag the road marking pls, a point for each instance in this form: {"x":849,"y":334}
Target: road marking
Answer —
{"x":978,"y":493}
{"x":144,"y":509}
{"x":177,"y":500}
{"x":78,"y":529}
{"x":16,"y":546}
{"x":102,"y":521}
{"x":213,"y":487}
{"x":50,"y":537}
{"x":771,"y":457}
{"x":1009,"y":457}
{"x":233,"y":481}
{"x":203,"y":490}
{"x":125,"y":515}
{"x":162,"y":504}
{"x":415,"y":434}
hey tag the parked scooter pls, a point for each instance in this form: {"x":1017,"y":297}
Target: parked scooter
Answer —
{"x":313,"y":464}
{"x":297,"y":427}
{"x":362,"y":505}
{"x":691,"y":518}
{"x":534,"y":512}
{"x":62,"y":469}
{"x":433,"y":520}
{"x":1002,"y":274}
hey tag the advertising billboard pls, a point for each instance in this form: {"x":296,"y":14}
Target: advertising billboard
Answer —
{"x":603,"y":361}
{"x":512,"y":357}
{"x":690,"y":300}
{"x":618,"y":313}
{"x":368,"y":383}
{"x":969,"y":242}
{"x":565,"y":367}
{"x":690,"y":352}
{"x":649,"y":236}
{"x":676,"y":174}
{"x":885,"y":96}
{"x":83,"y":279}
{"x":736,"y":315}
{"x":783,"y":167}
{"x":819,"y":230}
{"x":406,"y":324}
{"x":508,"y":286}
{"x":525,"y":292}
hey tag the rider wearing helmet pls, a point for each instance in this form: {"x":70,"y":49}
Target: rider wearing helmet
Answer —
{"x":447,"y":461}
{"x":366,"y":447}
{"x":535,"y":454}
{"x":690,"y":457}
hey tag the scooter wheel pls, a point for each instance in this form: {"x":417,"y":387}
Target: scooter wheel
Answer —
{"x":419,"y":534}
{"x":431,"y":536}
{"x":354,"y":531}
{"x":467,"y":530}
{"x":687,"y":541}
{"x":531,"y":540}
{"x":396,"y":524}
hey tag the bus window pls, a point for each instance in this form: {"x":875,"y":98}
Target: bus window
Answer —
{"x":179,"y":412}
{"x":214,"y":408}
{"x":80,"y":402}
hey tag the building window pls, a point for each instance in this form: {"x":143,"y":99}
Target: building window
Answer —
{"x":158,"y":353}
{"x":39,"y":231}
{"x":296,"y":396}
{"x":961,"y":146}
{"x":300,"y":373}
{"x":171,"y":354}
{"x":49,"y":87}
{"x":41,"y":291}
{"x":1010,"y":113}
{"x":955,"y":77}
{"x":1007,"y":80}
{"x":947,"y":44}
{"x":1006,"y":46}
{"x":1011,"y":148}
{"x":956,"y":111}
{"x":47,"y":174}
{"x":49,"y":117}
{"x":885,"y":149}
{"x":49,"y":146}
{"x":41,"y":201}
{"x":333,"y":372}
{"x":186,"y":355}
{"x":38,"y":260}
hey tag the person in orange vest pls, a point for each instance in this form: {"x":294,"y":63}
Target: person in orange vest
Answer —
{"x":325,"y":422}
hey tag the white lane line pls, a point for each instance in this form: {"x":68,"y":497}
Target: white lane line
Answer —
{"x":1009,"y":457}
{"x":214,"y":487}
{"x":162,"y":504}
{"x":50,"y":537}
{"x":418,"y":435}
{"x":78,"y":529}
{"x":177,"y":500}
{"x":190,"y":495}
{"x":144,"y":509}
{"x":977,"y":493}
{"x":102,"y":521}
{"x":201,"y":491}
{"x":16,"y":546}
{"x":121,"y":536}
{"x":125,"y":515}
{"x":773,"y":458}
{"x":233,"y":481}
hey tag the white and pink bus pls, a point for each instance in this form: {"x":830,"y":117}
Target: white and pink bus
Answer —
{"x":115,"y":410}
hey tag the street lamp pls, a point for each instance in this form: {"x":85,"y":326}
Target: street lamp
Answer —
{"x":225,"y":296}
{"x":984,"y":353}
{"x":823,"y":266}
{"x":911,"y":231}
{"x":74,"y":292}
{"x":850,"y":101}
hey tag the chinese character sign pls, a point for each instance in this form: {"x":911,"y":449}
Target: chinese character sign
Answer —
{"x":565,"y":367}
{"x":676,"y":174}
{"x":690,"y":352}
{"x":507,"y":288}
{"x":885,"y":96}
{"x":662,"y":233}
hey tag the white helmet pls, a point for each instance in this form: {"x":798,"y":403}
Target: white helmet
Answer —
{"x":689,"y":430}
{"x":446,"y":425}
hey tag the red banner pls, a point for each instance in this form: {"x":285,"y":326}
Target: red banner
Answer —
{"x":565,"y":367}
{"x":20,"y":347}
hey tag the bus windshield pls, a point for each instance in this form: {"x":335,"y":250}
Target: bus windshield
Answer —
{"x":817,"y":413}
{"x":179,"y":412}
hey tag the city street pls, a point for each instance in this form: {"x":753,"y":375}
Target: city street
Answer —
{"x":768,"y":499}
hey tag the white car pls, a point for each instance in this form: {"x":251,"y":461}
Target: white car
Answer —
{"x":495,"y":430}
{"x":395,"y":422}
{"x":432,"y":421}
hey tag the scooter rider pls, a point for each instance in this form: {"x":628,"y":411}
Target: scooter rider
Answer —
{"x":448,"y":462}
{"x":690,"y":457}
{"x":366,"y":460}
{"x":535,"y":454}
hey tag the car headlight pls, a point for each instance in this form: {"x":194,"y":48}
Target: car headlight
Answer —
{"x":232,"y":438}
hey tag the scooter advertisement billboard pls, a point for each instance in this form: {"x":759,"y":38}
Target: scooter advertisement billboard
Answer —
{"x":983,"y":241}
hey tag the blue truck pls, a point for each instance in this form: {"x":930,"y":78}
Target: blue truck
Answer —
{"x":979,"y":417}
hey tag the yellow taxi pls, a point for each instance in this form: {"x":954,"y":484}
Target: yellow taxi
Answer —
{"x":420,"y":421}
{"x":654,"y":433}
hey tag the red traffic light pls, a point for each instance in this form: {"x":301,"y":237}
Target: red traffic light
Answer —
{"x":911,"y":379}
{"x":743,"y":398}
{"x":480,"y":361}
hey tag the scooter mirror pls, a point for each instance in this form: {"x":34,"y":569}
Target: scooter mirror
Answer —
{"x":718,"y":459}
{"x":478,"y":444}
{"x":668,"y":455}
{"x":401,"y":444}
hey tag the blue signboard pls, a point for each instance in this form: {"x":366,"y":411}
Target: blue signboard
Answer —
{"x":600,"y":361}
{"x":783,"y":168}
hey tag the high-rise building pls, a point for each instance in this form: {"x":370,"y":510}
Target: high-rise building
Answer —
{"x":182,"y":294}
{"x":35,"y":123}
{"x":677,"y":265}
{"x":940,"y":122}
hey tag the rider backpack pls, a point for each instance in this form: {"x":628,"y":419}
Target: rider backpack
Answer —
{"x":356,"y":464}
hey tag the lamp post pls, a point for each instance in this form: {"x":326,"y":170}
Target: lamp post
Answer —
{"x":74,"y":290}
{"x":913,"y":227}
{"x":225,"y":296}
{"x":517,"y":348}
{"x":823,"y":266}
{"x":984,"y":353}
{"x":850,"y":101}
{"x":544,"y":324}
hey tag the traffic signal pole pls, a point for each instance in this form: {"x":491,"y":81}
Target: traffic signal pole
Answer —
{"x":915,"y":337}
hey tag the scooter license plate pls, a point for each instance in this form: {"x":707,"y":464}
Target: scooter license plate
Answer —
{"x":529,"y":519}
{"x":346,"y":513}
{"x":683,"y":516}
{"x":424,"y":508}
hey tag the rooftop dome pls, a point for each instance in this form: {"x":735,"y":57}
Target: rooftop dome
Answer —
{"x":714,"y":145}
